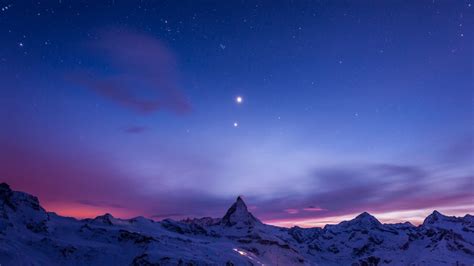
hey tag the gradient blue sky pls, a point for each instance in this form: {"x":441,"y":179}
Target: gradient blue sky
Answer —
{"x":128,"y":107}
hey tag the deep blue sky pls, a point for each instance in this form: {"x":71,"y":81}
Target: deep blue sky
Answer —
{"x":129,"y":107}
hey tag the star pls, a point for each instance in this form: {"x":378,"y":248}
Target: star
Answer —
{"x":239,"y":99}
{"x":20,"y":44}
{"x":236,"y":124}
{"x":5,"y":8}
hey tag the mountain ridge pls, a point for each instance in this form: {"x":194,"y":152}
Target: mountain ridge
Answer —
{"x":31,"y":235}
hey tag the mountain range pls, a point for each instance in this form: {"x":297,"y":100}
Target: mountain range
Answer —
{"x":29,"y":235}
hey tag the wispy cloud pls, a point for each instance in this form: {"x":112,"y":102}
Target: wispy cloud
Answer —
{"x":99,"y":203}
{"x":378,"y":188}
{"x":141,"y":72}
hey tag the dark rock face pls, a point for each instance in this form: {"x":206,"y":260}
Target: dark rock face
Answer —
{"x":6,"y":195}
{"x":370,"y":261}
{"x":37,"y":227}
{"x":143,"y":260}
{"x":205,"y":221}
{"x":126,"y":236}
{"x":184,"y":228}
{"x":68,"y":251}
{"x":14,"y":200}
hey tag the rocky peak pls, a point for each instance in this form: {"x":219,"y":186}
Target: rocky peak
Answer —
{"x":21,"y":210}
{"x":468,"y":218}
{"x":432,"y":218}
{"x":141,"y":220}
{"x":239,"y":214}
{"x":15,"y":199}
{"x":365,"y":216}
{"x":363,"y":220}
{"x":106,"y":219}
{"x":436,"y":217}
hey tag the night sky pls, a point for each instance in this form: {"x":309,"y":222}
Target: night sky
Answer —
{"x":131,"y":107}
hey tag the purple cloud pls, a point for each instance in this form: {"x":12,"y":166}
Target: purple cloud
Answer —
{"x":142,"y":72}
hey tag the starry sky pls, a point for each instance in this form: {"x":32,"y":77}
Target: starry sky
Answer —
{"x":133,"y":108}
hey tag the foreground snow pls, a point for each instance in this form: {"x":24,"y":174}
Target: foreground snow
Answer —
{"x":31,"y":236}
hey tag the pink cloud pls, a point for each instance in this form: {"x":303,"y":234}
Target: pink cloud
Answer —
{"x":292,"y":211}
{"x":313,"y":209}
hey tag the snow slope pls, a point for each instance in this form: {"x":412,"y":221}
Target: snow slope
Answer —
{"x":31,"y":236}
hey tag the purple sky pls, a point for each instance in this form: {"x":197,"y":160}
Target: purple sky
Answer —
{"x":346,"y":108}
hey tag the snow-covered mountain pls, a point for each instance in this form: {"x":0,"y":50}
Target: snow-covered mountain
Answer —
{"x":31,"y":236}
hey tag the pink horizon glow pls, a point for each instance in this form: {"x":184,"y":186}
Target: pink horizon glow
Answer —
{"x":415,"y":217}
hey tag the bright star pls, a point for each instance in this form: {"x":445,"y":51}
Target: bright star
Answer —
{"x":239,"y":99}
{"x":236,"y":124}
